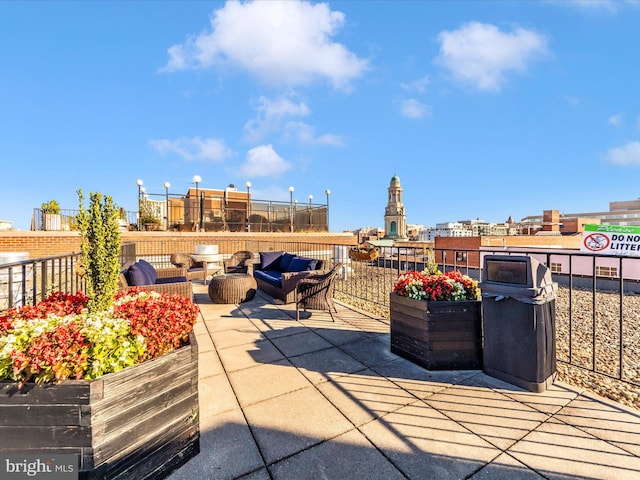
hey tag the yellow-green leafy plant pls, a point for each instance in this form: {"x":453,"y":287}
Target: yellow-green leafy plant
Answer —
{"x":100,"y":249}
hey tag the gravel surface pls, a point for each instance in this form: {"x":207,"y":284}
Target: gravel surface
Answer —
{"x":576,"y":358}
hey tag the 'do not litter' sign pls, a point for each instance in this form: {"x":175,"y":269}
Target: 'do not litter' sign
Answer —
{"x":611,"y":240}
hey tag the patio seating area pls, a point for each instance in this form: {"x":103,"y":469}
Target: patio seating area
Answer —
{"x":316,"y":398}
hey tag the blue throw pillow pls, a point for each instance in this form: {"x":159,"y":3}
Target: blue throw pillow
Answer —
{"x":285,"y":261}
{"x":150,"y":269}
{"x":270,"y":260}
{"x":139,"y":275}
{"x":300,"y":264}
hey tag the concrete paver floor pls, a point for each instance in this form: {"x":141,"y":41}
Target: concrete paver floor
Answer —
{"x":316,"y":399}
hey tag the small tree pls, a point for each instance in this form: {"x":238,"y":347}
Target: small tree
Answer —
{"x":100,"y":249}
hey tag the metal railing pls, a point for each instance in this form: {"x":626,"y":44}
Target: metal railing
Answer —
{"x":27,"y":282}
{"x":597,"y":305}
{"x":207,"y":214}
{"x":65,"y":221}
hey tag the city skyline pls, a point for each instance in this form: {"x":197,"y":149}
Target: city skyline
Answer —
{"x":483,"y":109}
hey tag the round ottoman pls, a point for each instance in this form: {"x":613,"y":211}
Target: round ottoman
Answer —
{"x":232,"y":288}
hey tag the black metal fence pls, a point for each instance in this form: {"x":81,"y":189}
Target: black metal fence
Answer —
{"x":204,"y":214}
{"x":597,"y":305}
{"x":27,"y":282}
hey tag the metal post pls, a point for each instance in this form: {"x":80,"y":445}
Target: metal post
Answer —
{"x":248,"y":185}
{"x":166,"y":192}
{"x":310,"y":198}
{"x":201,"y":209}
{"x":291,"y":189}
{"x":327,"y":192}
{"x":196,"y":179}
{"x":139,"y":183}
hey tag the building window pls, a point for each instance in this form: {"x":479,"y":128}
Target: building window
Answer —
{"x":610,"y":272}
{"x":556,"y":267}
{"x":461,"y":257}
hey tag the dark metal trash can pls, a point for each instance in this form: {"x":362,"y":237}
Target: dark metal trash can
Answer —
{"x":518,"y":320}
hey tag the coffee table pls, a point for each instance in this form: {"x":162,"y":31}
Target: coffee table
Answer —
{"x":232,"y":288}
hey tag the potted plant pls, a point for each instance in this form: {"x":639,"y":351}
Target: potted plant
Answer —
{"x":363,"y":253}
{"x":51,"y":219}
{"x":436,"y":320}
{"x":150,"y":222}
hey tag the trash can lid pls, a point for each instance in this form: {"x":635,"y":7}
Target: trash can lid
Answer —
{"x":516,"y":276}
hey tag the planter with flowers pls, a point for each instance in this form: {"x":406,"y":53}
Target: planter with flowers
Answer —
{"x":110,"y":377}
{"x":436,"y":320}
{"x":119,"y":388}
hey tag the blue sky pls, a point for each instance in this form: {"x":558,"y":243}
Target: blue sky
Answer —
{"x":483,"y":109}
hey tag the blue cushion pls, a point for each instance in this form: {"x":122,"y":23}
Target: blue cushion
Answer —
{"x":139,"y":275}
{"x":150,"y":269}
{"x":300,"y":264}
{"x":270,"y":260}
{"x":171,"y":280}
{"x":272,"y":277}
{"x":285,"y":261}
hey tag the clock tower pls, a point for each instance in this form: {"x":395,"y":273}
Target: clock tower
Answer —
{"x":395,"y":221}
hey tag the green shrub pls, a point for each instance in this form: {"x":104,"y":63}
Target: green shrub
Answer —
{"x":100,"y":249}
{"x":52,"y":206}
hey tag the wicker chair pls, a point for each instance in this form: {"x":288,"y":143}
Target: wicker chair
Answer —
{"x":239,"y":262}
{"x":316,"y":291}
{"x":194,"y":269}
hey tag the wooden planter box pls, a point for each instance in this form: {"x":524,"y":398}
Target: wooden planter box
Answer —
{"x":141,"y":422}
{"x":437,"y":335}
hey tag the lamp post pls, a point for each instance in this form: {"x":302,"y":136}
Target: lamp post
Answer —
{"x":196,"y":179}
{"x":166,"y":193}
{"x":139,"y":183}
{"x":248,"y":185}
{"x":327,"y":192}
{"x":291,"y":189}
{"x":310,"y":198}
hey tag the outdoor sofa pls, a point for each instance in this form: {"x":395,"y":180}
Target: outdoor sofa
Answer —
{"x":278,"y":273}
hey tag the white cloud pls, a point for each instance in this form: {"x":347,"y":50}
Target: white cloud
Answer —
{"x":208,"y":149}
{"x":263,"y":161}
{"x":628,"y":154}
{"x":412,"y":108}
{"x":615,"y":120}
{"x":596,"y":6}
{"x":270,"y":115}
{"x":303,"y":133}
{"x":481,"y":55}
{"x":280,"y":42}
{"x":419,"y":86}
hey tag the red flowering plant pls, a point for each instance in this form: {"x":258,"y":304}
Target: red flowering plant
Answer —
{"x":58,"y":339}
{"x":448,"y":286}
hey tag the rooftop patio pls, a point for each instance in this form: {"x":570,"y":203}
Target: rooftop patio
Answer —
{"x":281,"y":399}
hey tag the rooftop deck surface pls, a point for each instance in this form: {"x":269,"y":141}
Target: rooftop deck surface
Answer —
{"x":316,"y":399}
